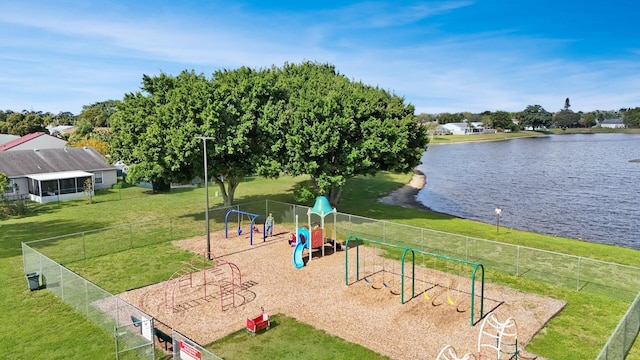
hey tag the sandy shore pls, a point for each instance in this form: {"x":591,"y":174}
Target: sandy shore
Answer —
{"x":406,"y":195}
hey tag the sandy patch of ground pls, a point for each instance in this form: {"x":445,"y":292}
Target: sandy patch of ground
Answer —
{"x":316,"y":294}
{"x":406,"y":195}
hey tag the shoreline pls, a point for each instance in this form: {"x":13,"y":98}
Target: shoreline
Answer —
{"x":406,"y":195}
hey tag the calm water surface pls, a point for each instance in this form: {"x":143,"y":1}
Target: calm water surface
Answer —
{"x":576,"y":186}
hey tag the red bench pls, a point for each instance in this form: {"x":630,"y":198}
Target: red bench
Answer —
{"x":256,"y":324}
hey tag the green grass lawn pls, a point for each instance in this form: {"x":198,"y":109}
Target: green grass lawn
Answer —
{"x":37,"y":326}
{"x":288,"y":338}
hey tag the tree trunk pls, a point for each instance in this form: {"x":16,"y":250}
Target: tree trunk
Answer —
{"x":229,"y":191}
{"x":334,"y":195}
{"x":160,"y":185}
{"x":232,"y":185}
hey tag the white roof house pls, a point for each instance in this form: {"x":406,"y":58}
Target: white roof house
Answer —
{"x":55,"y":174}
{"x":613,"y":123}
{"x":457,"y":128}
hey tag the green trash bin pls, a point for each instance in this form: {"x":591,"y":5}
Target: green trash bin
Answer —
{"x":33,"y":278}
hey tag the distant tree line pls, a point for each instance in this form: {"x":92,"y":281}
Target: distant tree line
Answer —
{"x":536,"y":117}
{"x":299,"y":119}
{"x":91,"y":126}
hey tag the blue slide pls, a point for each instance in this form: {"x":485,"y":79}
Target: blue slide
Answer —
{"x":303,"y":233}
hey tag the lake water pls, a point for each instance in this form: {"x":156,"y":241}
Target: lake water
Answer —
{"x":578,"y":186}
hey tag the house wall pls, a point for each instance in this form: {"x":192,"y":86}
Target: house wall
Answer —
{"x":23,"y":185}
{"x":612,"y":126}
{"x":109,"y":178}
{"x":455,"y":130}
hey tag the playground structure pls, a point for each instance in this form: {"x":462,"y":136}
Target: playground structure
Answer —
{"x":449,"y":353}
{"x":194,"y":281}
{"x":316,"y":239}
{"x":241,"y":215}
{"x":500,"y":339}
{"x":356,"y":242}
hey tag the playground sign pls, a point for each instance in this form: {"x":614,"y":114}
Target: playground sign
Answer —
{"x":188,"y":352}
{"x":146,"y":328}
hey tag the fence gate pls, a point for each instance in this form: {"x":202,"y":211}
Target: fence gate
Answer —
{"x":135,"y":340}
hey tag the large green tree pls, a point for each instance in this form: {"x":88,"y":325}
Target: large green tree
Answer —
{"x":566,"y":118}
{"x":156,"y":131}
{"x":143,"y":127}
{"x":243,"y":122}
{"x":588,"y":119}
{"x":502,"y":120}
{"x":98,"y":114}
{"x":336,"y":129}
{"x":631,"y":118}
{"x":25,"y":123}
{"x":536,"y":117}
{"x":301,"y":119}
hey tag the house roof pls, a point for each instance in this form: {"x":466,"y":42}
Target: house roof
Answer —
{"x":60,"y":175}
{"x":29,"y":162}
{"x":460,"y":125}
{"x":5,"y":138}
{"x":613,"y":121}
{"x":22,"y":140}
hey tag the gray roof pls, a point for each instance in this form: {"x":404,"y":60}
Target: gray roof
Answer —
{"x":5,"y":138}
{"x":613,"y":121}
{"x":25,"y":162}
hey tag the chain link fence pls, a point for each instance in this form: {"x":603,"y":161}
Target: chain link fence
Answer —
{"x":126,"y":322}
{"x":572,"y":272}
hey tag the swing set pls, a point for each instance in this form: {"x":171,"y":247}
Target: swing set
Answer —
{"x":453,"y":296}
{"x":241,"y":214}
{"x":453,"y":289}
{"x":388,"y":285}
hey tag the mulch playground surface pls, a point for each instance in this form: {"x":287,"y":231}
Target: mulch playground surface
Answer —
{"x":317,"y":295}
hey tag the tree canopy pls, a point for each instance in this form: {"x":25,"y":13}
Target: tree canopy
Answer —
{"x":156,"y":133}
{"x":631,"y":118}
{"x":501,"y":120}
{"x":301,"y":119}
{"x":536,"y":117}
{"x":338,"y":129}
{"x":98,"y":114}
{"x":566,"y":118}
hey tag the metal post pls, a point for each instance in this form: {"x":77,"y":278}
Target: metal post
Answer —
{"x":206,"y":193}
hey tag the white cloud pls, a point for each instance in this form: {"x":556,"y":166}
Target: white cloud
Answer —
{"x":62,"y":54}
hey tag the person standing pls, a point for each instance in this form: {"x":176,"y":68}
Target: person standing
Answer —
{"x":269,"y":225}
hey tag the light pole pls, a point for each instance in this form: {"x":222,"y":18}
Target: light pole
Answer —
{"x":206,"y":192}
{"x":498,"y":212}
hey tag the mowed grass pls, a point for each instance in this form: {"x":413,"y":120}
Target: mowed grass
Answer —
{"x":54,"y":331}
{"x":288,"y":338}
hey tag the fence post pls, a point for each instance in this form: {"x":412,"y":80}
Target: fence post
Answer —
{"x":384,"y":231}
{"x":578,"y":282}
{"x":625,"y":347}
{"x":466,"y":248}
{"x":61,"y":283}
{"x":86,"y":298}
{"x":518,"y":261}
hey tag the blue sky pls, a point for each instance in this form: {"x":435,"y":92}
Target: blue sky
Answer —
{"x":441,"y":56}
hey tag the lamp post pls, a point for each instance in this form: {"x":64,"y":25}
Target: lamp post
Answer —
{"x":206,"y":192}
{"x":498,"y":212}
